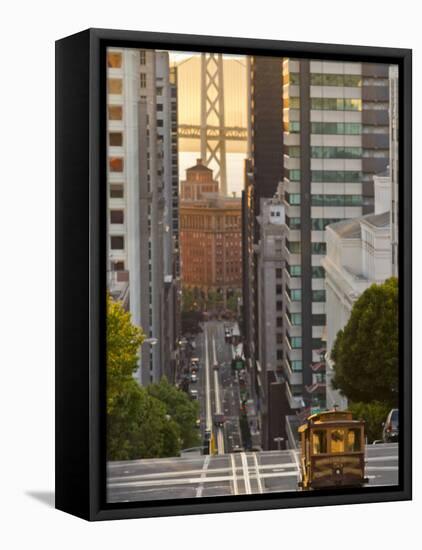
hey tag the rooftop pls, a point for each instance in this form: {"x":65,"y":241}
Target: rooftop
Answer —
{"x":199,"y":166}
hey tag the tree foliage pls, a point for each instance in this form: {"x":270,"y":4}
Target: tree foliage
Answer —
{"x":374,"y":415}
{"x":180,"y":408}
{"x":141,"y":422}
{"x":365,"y":352}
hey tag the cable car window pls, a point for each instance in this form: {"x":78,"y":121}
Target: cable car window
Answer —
{"x":353,"y":440}
{"x":337,"y":440}
{"x":319,"y":442}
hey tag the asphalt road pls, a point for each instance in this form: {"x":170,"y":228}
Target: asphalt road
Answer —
{"x":230,"y":474}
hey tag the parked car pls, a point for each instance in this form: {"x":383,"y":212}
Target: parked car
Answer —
{"x":390,"y":432}
{"x":193,"y":377}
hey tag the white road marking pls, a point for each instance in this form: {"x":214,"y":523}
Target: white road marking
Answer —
{"x":258,"y":476}
{"x":246,"y":473}
{"x":235,"y":486}
{"x":381,"y":458}
{"x":203,"y":476}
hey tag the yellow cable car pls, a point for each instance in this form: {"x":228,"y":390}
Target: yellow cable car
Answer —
{"x":332,"y":451}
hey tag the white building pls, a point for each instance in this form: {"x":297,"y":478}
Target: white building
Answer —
{"x":358,"y":255}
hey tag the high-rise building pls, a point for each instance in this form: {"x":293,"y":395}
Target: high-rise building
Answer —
{"x":336,"y":138}
{"x":263,"y":172}
{"x":270,"y":317}
{"x":140,"y":169}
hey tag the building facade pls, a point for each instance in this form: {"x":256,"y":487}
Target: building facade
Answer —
{"x":210,"y":235}
{"x":336,"y":136}
{"x":139,"y":172}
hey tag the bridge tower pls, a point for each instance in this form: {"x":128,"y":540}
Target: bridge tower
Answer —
{"x":213,"y":147}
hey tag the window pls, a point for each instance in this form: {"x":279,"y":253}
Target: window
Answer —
{"x":279,"y":306}
{"x":337,"y":440}
{"x":350,"y":80}
{"x":346,"y":128}
{"x":318,"y":295}
{"x":278,"y":273}
{"x":318,"y":272}
{"x":279,"y":322}
{"x":353,"y":440}
{"x":279,"y":338}
{"x":114,"y":60}
{"x":295,"y":319}
{"x":115,"y":112}
{"x":296,"y":365}
{"x":159,"y":123}
{"x":142,"y":57}
{"x":295,"y":294}
{"x":294,"y":78}
{"x":295,"y":342}
{"x":336,"y":152}
{"x":293,"y":198}
{"x":319,"y":442}
{"x":278,"y":289}
{"x":319,"y":224}
{"x":293,"y":223}
{"x":116,"y":216}
{"x":115,"y":85}
{"x":159,"y":107}
{"x":118,"y":266}
{"x":115,"y":139}
{"x":159,"y":90}
{"x":336,"y":176}
{"x":319,"y":320}
{"x":115,"y":164}
{"x":319,"y":248}
{"x":143,"y":80}
{"x":293,"y":127}
{"x":294,"y":270}
{"x":117,"y":242}
{"x":336,"y":200}
{"x":279,"y":355}
{"x":294,"y":175}
{"x":293,"y":246}
{"x":293,"y":151}
{"x":116,"y":190}
{"x":335,"y":104}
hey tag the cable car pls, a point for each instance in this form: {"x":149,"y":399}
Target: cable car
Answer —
{"x":332,"y":451}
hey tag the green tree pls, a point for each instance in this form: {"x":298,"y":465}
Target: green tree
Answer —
{"x":374,"y":415}
{"x":365,"y":352}
{"x":181,"y":409}
{"x":138,"y":425}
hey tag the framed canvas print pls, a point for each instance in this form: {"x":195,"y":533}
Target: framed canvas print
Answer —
{"x":233,"y":274}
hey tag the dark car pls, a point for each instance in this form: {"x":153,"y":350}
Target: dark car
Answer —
{"x":390,"y":432}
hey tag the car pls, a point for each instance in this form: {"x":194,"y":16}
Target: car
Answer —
{"x":194,"y":377}
{"x":193,"y":394}
{"x":390,"y":432}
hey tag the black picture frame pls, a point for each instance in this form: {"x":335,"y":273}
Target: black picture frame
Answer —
{"x":81,"y":277}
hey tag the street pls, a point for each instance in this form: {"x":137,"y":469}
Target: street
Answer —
{"x":230,"y":474}
{"x":228,"y":469}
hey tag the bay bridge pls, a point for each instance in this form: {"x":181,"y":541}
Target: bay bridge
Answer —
{"x":213,"y":106}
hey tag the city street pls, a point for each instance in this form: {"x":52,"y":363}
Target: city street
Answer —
{"x":218,"y":389}
{"x":230,"y":474}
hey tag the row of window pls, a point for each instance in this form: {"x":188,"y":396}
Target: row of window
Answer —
{"x":329,"y":176}
{"x":316,"y":248}
{"x":321,"y":79}
{"x":322,"y":128}
{"x":318,"y":320}
{"x":326,"y":103}
{"x":318,"y":272}
{"x":295,"y":295}
{"x":318,"y":152}
{"x":323,"y":200}
{"x":296,"y":342}
{"x":317,"y":224}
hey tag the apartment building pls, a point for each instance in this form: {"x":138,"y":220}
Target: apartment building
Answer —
{"x":336,"y":136}
{"x":140,"y":196}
